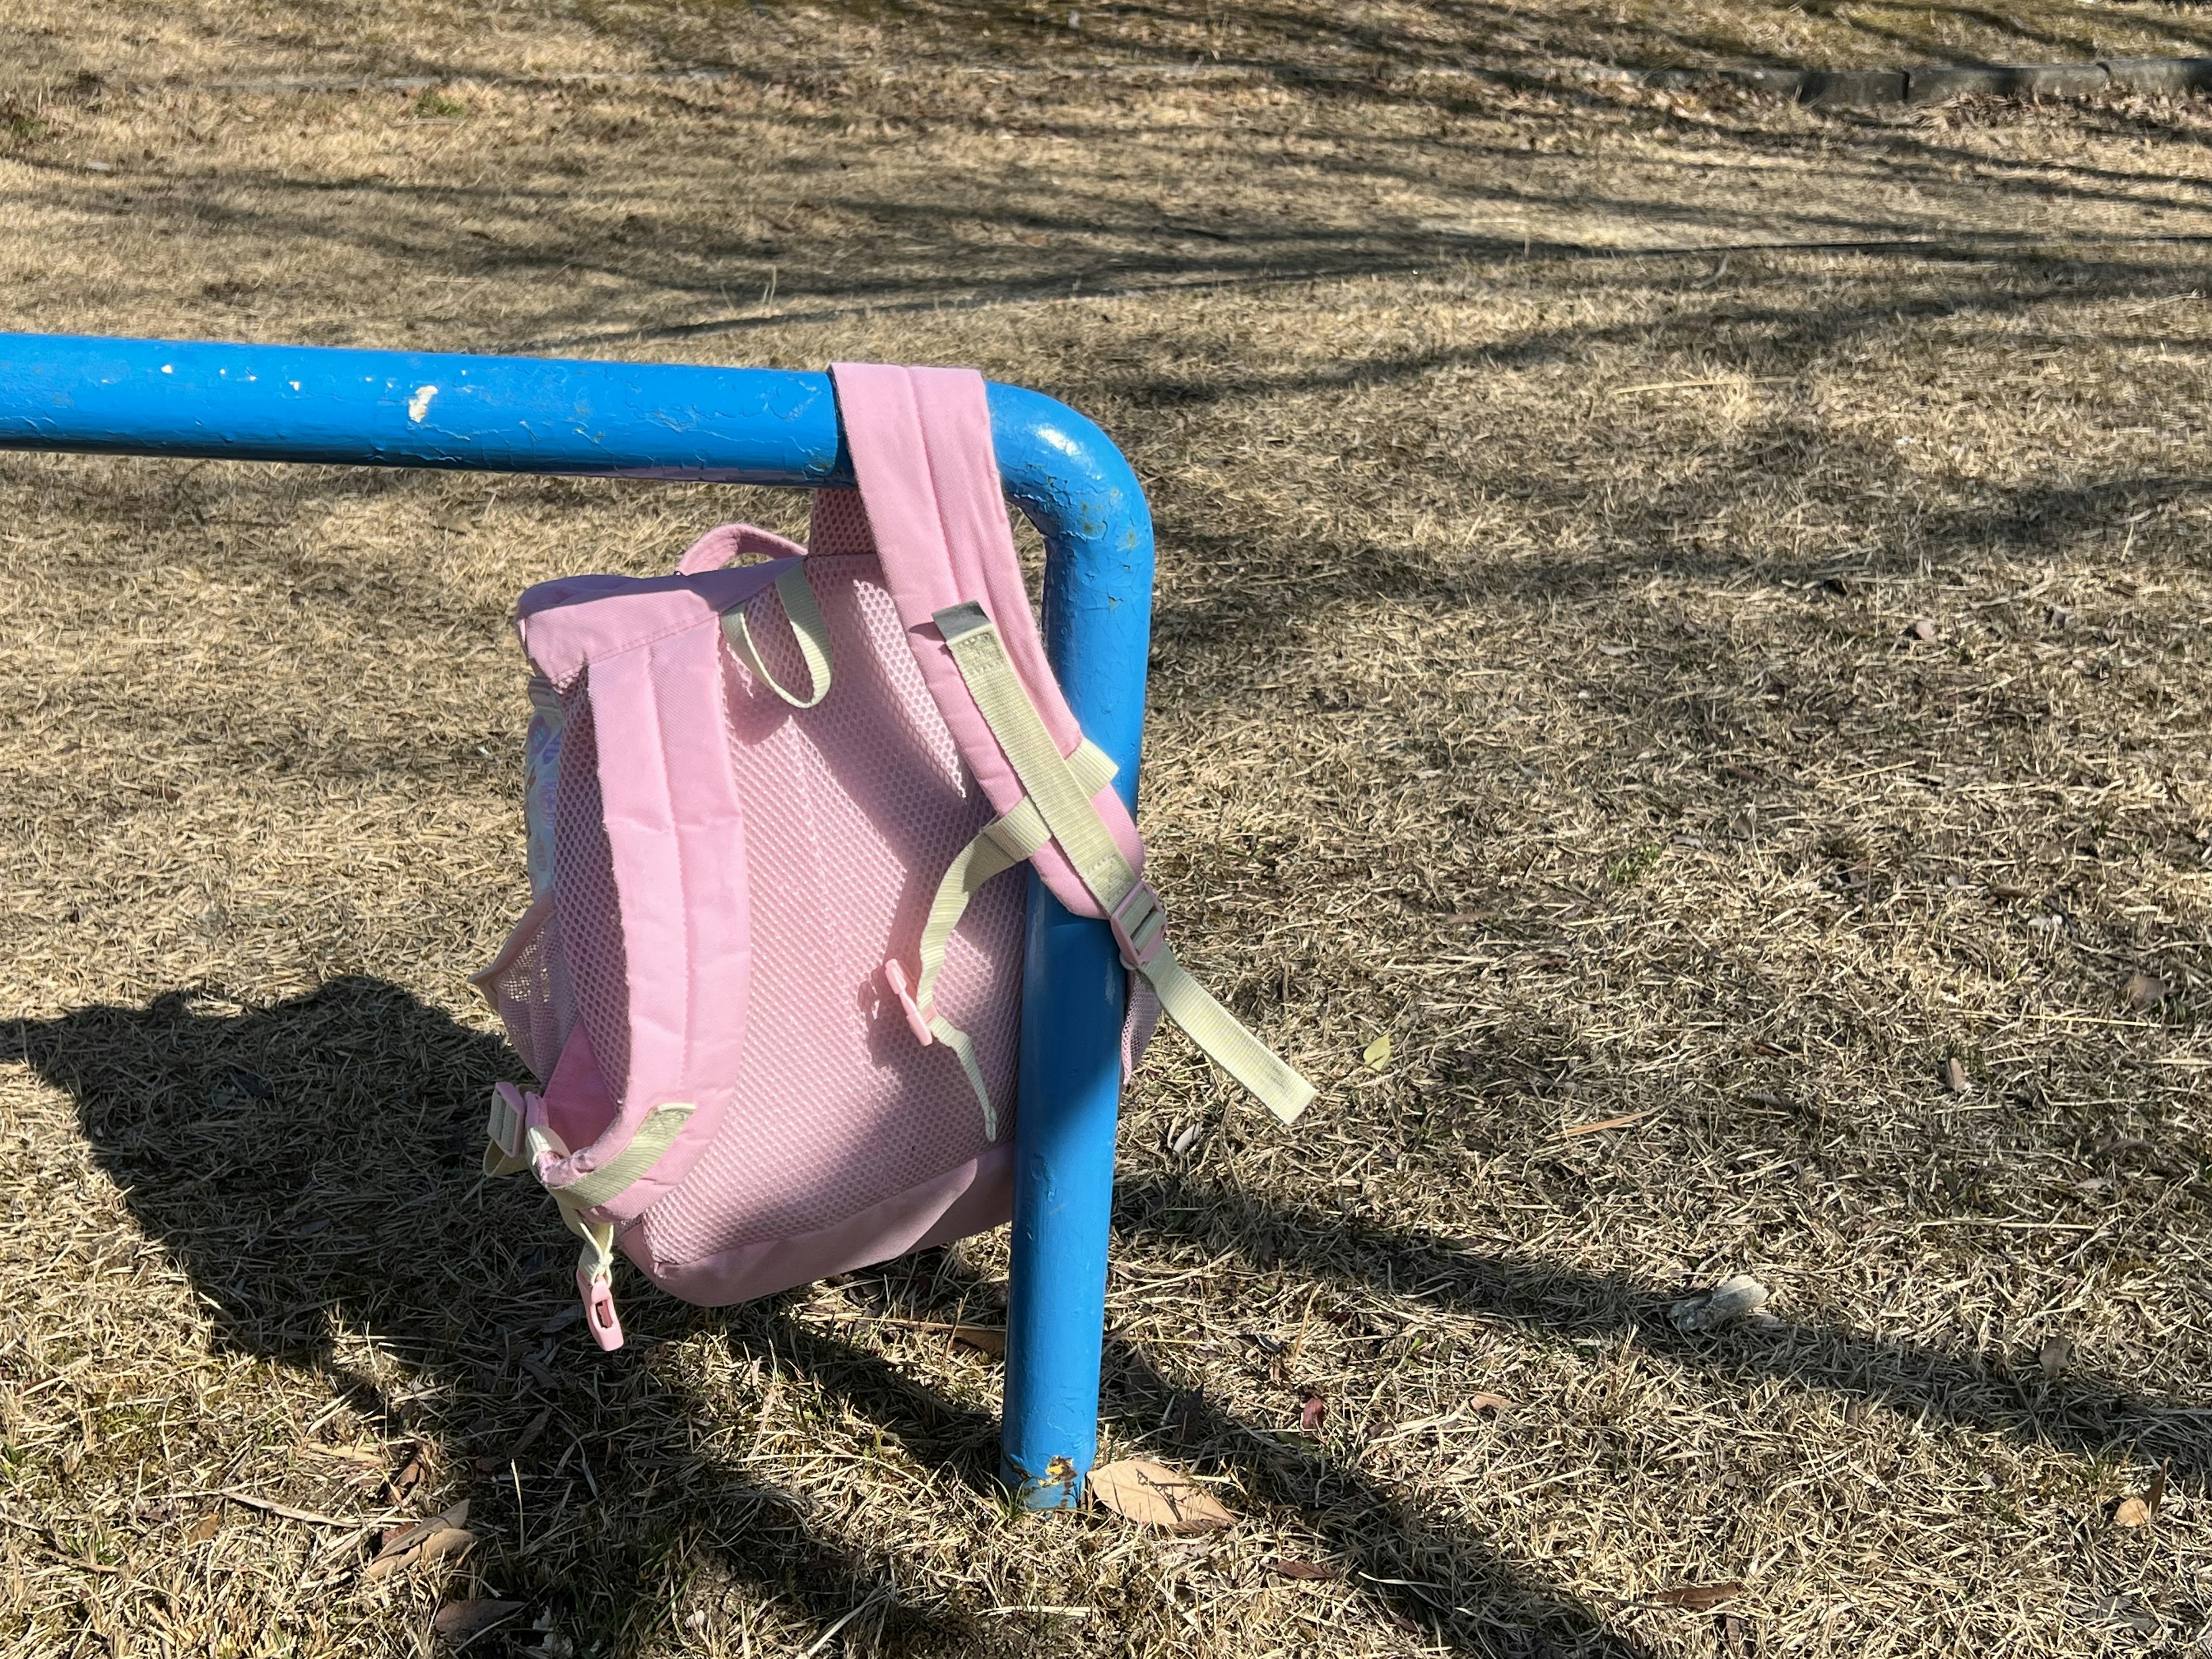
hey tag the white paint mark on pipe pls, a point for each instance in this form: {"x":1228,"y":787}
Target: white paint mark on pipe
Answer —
{"x":419,"y":404}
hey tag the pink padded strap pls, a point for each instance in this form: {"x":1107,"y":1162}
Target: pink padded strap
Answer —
{"x":675,"y":830}
{"x":921,"y":443}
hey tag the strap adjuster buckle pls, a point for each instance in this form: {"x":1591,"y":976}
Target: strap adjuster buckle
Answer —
{"x":1139,"y":925}
{"x":917,"y":1016}
{"x":509,"y":1120}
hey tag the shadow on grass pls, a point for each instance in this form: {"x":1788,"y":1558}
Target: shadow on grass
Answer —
{"x":1439,"y":34}
{"x":985,"y":233}
{"x":311,"y":1166}
{"x":2077,"y":1413}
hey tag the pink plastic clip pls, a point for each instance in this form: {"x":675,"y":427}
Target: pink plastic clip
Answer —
{"x":599,"y":1310}
{"x":917,"y":1016}
{"x":1139,"y":925}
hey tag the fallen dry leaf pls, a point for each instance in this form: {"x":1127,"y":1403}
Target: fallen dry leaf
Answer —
{"x":492,"y":1462}
{"x":407,"y":1476}
{"x":1378,"y":1054}
{"x":206,"y":1527}
{"x":413,"y":1532}
{"x":438,"y":1545}
{"x":2147,"y":990}
{"x":983,"y":1339}
{"x":1311,"y":1410}
{"x":460,"y":1618}
{"x":1699,"y":1597}
{"x":2055,"y":1355}
{"x":2142,"y":1509}
{"x":1137,"y":1489}
{"x":1922,"y":629}
{"x":529,"y":1436}
{"x":1310,"y":1569}
{"x":1488,"y":1402}
{"x":1954,"y":1075}
{"x":433,"y":1540}
{"x":1735,"y":1297}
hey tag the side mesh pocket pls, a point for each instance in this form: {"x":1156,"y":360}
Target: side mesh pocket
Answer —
{"x":527,"y":986}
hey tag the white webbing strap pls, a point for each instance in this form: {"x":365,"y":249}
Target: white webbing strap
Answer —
{"x":595,"y":1261}
{"x":506,"y":1149}
{"x":595,"y":1272}
{"x":1133,"y":908}
{"x":808,"y":627}
{"x":516,"y":1144}
{"x":654,"y":1136}
{"x":1002,"y":844}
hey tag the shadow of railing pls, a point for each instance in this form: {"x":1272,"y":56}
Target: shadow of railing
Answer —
{"x":311,"y":1163}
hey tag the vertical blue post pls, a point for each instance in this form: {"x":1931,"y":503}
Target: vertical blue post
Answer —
{"x":1098,"y":629}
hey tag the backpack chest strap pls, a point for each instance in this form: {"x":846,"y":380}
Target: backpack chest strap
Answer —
{"x":1008,"y":839}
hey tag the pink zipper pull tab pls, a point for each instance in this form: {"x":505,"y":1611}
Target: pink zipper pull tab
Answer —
{"x":599,"y":1313}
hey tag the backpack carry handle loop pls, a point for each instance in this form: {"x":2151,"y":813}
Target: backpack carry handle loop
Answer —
{"x":804,"y":612}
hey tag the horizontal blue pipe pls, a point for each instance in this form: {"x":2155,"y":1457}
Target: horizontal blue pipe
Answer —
{"x":757,"y":426}
{"x":263,"y":403}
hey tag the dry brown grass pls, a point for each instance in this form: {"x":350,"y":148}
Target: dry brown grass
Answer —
{"x":163,"y":40}
{"x":1535,"y":683}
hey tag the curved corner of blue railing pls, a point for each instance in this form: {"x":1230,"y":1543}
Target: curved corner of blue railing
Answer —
{"x":342,"y":407}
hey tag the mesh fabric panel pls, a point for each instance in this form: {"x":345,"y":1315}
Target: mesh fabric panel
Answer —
{"x":584,"y":891}
{"x":853,"y":810}
{"x":532,"y":993}
{"x":838,"y":524}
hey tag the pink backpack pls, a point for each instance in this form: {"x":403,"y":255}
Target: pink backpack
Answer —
{"x":770,"y":981}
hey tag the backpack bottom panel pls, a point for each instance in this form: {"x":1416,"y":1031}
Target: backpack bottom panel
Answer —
{"x":970,"y":1199}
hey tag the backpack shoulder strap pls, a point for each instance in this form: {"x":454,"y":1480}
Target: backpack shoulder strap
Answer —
{"x":645,"y":729}
{"x":920,"y":443}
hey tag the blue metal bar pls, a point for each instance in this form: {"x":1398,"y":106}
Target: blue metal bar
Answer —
{"x":1097,"y":631}
{"x":758,"y":427}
